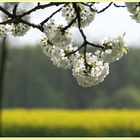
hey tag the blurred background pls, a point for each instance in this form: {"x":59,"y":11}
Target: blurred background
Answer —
{"x":31,"y":81}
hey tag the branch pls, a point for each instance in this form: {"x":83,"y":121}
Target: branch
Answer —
{"x":119,"y":6}
{"x":38,"y":7}
{"x":78,"y":16}
{"x":44,"y":21}
{"x":69,"y":25}
{"x":6,"y":12}
{"x":95,"y":45}
{"x":15,"y":9}
{"x":14,"y":20}
{"x":72,"y":52}
{"x":105,"y":8}
{"x":85,"y":43}
{"x":6,"y":22}
{"x":77,"y":10}
{"x":90,"y":6}
{"x":18,"y":19}
{"x":32,"y":25}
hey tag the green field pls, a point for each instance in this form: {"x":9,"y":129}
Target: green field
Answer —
{"x":45,"y":122}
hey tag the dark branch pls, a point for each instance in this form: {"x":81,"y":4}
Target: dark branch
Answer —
{"x":77,"y":10}
{"x":119,"y":6}
{"x":95,"y":45}
{"x":85,"y":43}
{"x":18,"y":19}
{"x":39,"y":6}
{"x":72,"y":52}
{"x":15,"y":9}
{"x":32,"y":25}
{"x":6,"y":22}
{"x":69,"y":25}
{"x":44,"y":21}
{"x":89,"y":6}
{"x":78,"y":16}
{"x":105,"y":8}
{"x":6,"y":12}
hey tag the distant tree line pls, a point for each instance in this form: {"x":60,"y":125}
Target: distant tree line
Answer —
{"x":31,"y":81}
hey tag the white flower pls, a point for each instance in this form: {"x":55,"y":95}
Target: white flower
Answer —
{"x":55,"y":35}
{"x":60,"y":59}
{"x":59,"y":56}
{"x":134,"y":9}
{"x":87,"y":15}
{"x":4,"y":29}
{"x":20,"y":29}
{"x":91,"y":75}
{"x":47,"y":47}
{"x":56,"y":54}
{"x":114,"y":49}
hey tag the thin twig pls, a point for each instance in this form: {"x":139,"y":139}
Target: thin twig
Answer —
{"x":6,"y":22}
{"x":89,"y":6}
{"x":77,"y":10}
{"x":119,"y":6}
{"x":44,"y":21}
{"x":69,"y":25}
{"x":18,"y":19}
{"x":72,"y":52}
{"x":32,"y":25}
{"x":39,"y":6}
{"x":15,"y":9}
{"x":105,"y":8}
{"x":95,"y":45}
{"x":5,"y":12}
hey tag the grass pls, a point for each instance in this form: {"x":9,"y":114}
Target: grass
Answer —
{"x":52,"y":122}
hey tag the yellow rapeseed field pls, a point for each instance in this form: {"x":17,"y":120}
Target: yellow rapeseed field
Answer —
{"x":58,"y":122}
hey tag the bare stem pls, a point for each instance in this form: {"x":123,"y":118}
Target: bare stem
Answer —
{"x":46,"y":20}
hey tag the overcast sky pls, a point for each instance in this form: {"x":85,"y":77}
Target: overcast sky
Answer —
{"x":112,"y":22}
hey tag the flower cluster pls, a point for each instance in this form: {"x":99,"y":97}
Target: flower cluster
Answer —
{"x":87,"y":14}
{"x":57,"y":54}
{"x":55,"y":34}
{"x":16,"y":29}
{"x":47,"y":46}
{"x":89,"y":69}
{"x":60,"y":59}
{"x":56,"y":45}
{"x":134,"y":9}
{"x":19,"y":29}
{"x":91,"y":75}
{"x":114,"y":49}
{"x":4,"y":30}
